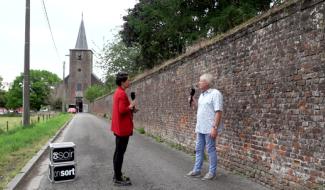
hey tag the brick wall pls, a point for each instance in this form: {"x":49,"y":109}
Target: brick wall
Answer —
{"x":271,"y":72}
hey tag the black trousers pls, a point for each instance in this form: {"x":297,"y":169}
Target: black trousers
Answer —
{"x":121,"y":144}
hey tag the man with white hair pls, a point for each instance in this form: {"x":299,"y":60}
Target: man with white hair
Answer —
{"x":208,"y":126}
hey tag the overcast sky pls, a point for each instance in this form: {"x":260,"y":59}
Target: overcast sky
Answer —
{"x":102,"y":19}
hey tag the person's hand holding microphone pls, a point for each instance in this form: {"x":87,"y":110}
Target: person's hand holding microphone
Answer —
{"x":192,"y":101}
{"x":133,"y":103}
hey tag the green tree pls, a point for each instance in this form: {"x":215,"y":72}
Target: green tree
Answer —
{"x":110,"y":83}
{"x":116,"y":56}
{"x":14,"y":96}
{"x":2,"y":98}
{"x":94,"y":92}
{"x":41,"y":82}
{"x":2,"y":94}
{"x":1,"y":85}
{"x":163,"y":28}
{"x":56,"y":104}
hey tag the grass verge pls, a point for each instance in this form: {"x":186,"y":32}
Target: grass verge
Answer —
{"x":20,"y":144}
{"x":13,"y":122}
{"x":141,"y":130}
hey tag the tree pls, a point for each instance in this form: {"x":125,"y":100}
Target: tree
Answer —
{"x":110,"y":83}
{"x":2,"y":98}
{"x":116,"y":56}
{"x":1,"y":85}
{"x":41,"y":82}
{"x":94,"y":92}
{"x":56,"y":104}
{"x":2,"y":94}
{"x":14,"y":95}
{"x":156,"y":26}
{"x":163,"y":28}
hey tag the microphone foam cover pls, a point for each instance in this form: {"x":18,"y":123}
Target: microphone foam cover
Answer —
{"x":132,"y":95}
{"x":192,"y":92}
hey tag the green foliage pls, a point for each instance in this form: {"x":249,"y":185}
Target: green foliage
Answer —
{"x":41,"y":82}
{"x":14,"y":96}
{"x":94,"y":92}
{"x":2,"y":94}
{"x":1,"y":85}
{"x":156,"y":30}
{"x":158,"y":27}
{"x":57,"y":104}
{"x":2,"y":98}
{"x":116,"y":56}
{"x":141,"y":130}
{"x":110,"y":84}
{"x":163,"y":28}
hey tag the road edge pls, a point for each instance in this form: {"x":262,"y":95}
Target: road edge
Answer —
{"x":32,"y":162}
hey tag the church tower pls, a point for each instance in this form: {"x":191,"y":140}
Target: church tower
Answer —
{"x":80,"y":73}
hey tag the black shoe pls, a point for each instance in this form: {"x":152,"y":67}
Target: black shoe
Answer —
{"x":125,"y":178}
{"x":122,"y":182}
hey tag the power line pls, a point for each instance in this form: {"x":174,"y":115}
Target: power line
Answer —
{"x":49,"y":25}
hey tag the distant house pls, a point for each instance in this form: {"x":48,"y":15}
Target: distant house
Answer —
{"x":3,"y":111}
{"x":19,"y":110}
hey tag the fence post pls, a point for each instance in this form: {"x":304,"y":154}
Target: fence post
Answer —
{"x":38,"y":118}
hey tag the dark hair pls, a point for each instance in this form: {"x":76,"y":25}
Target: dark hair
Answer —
{"x":121,"y":77}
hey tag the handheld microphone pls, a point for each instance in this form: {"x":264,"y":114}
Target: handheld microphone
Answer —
{"x":132,"y":95}
{"x":192,"y":94}
{"x":134,"y":110}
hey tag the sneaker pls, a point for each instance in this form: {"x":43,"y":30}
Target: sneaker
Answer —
{"x":193,"y":174}
{"x":208,"y":176}
{"x":126,"y":178}
{"x":122,"y":182}
{"x":123,"y":177}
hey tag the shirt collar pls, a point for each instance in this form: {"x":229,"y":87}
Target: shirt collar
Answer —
{"x":207,"y":91}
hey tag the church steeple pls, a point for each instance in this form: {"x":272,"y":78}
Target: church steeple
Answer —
{"x":81,"y":40}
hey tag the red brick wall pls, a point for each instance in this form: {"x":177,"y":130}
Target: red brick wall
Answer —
{"x":272,"y":76}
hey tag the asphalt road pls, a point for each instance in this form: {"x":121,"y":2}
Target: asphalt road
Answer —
{"x":149,"y":164}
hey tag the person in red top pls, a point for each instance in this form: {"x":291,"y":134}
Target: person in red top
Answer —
{"x":122,"y":126}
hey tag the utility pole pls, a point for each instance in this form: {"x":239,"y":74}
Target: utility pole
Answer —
{"x":63,"y":97}
{"x":26,"y":103}
{"x":65,"y":88}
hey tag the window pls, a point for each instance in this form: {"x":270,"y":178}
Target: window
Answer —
{"x":79,"y":87}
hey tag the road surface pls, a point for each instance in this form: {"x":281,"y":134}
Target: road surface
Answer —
{"x":150,"y":165}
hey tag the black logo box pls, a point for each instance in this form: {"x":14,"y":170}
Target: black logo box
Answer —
{"x":62,"y":152}
{"x":63,"y":172}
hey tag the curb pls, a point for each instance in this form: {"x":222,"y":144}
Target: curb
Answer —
{"x":32,"y":162}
